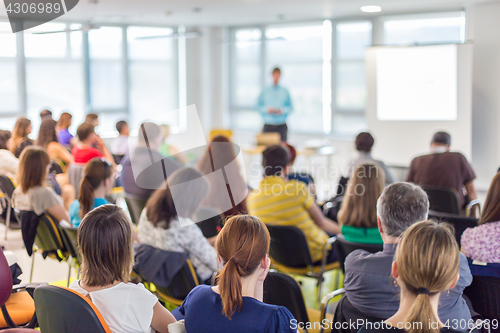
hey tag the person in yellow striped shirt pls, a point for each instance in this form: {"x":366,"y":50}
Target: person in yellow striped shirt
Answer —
{"x":279,"y":201}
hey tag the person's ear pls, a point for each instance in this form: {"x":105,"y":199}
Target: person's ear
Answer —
{"x":379,"y":224}
{"x":394,"y":270}
{"x":454,"y":283}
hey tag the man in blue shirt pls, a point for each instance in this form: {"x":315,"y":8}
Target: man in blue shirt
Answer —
{"x":275,"y":104}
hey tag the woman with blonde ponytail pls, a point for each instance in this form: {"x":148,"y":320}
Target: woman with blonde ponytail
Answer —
{"x":235,"y":303}
{"x":425,"y":265}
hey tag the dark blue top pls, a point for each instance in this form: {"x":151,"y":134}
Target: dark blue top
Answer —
{"x":202,"y":311}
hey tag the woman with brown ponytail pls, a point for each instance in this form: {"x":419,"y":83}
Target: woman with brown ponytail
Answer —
{"x":235,"y":303}
{"x":425,"y":265}
{"x":95,"y":185}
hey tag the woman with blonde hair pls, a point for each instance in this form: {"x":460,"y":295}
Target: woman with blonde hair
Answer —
{"x":426,"y":264}
{"x":19,"y":139}
{"x":235,"y":303}
{"x":358,"y":214}
{"x":105,"y":242}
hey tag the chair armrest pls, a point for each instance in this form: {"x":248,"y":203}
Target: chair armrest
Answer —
{"x":471,"y":204}
{"x":324,"y":304}
{"x":29,"y":287}
{"x":329,"y":242}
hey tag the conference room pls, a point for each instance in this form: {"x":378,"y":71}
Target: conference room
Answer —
{"x":249,"y":166}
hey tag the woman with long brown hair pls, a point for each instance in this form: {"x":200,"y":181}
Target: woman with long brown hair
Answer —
{"x":425,"y":265}
{"x":482,"y":243}
{"x":47,"y":138}
{"x":220,"y":154}
{"x":235,"y":303}
{"x":358,"y":214}
{"x":32,"y":194}
{"x":19,"y":139}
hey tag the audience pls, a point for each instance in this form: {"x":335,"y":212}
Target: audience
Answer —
{"x":364,"y":144}
{"x":444,"y":168}
{"x":32,"y":194}
{"x":84,"y":151}
{"x":19,"y":139}
{"x":168,"y":150}
{"x":120,"y":144}
{"x":278,"y":201}
{"x":482,"y":243}
{"x":45,"y":114}
{"x":144,"y":165}
{"x":220,"y":154}
{"x":63,"y":135}
{"x":8,"y":162}
{"x":426,"y":265}
{"x":96,"y":183}
{"x":47,"y":138}
{"x":235,"y":303}
{"x":93,"y":119}
{"x":368,"y":282}
{"x":167,"y":225}
{"x":358,"y":213}
{"x":105,"y":242}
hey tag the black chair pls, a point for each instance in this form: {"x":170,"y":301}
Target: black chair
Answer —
{"x":55,"y":168}
{"x":69,"y":237}
{"x":8,"y":187}
{"x":135,"y":206}
{"x":290,"y":254}
{"x":442,"y":199}
{"x":118,"y":158}
{"x":282,"y":289}
{"x":210,"y":221}
{"x":343,"y":247}
{"x":62,"y":310}
{"x":460,"y":223}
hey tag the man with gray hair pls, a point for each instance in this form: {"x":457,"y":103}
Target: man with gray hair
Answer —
{"x":368,"y":282}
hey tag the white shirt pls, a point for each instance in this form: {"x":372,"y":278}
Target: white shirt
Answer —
{"x":8,"y":163}
{"x":119,"y":146}
{"x":126,"y":307}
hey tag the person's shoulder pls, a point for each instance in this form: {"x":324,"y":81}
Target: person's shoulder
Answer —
{"x":359,"y":259}
{"x":42,"y":191}
{"x":75,"y":205}
{"x":201,"y":291}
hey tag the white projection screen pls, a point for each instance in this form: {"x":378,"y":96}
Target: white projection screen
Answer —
{"x":417,"y":83}
{"x":415,"y":91}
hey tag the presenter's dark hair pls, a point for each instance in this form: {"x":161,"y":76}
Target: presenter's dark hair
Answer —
{"x":442,"y":138}
{"x":274,"y":160}
{"x":276,"y":70}
{"x":105,"y":241}
{"x":364,"y":142}
{"x":241,"y":245}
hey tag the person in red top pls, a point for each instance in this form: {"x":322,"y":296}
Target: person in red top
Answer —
{"x":84,"y":151}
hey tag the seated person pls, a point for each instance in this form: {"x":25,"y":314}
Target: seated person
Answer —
{"x":364,"y":144}
{"x":120,"y":144}
{"x":47,"y":138}
{"x":358,"y":213}
{"x":425,"y":266}
{"x":96,"y":183}
{"x":19,"y":139}
{"x":368,"y":283}
{"x":63,"y":135}
{"x":105,"y":242}
{"x":8,"y":162}
{"x":31,"y":193}
{"x":444,"y":168}
{"x":220,"y":154}
{"x":169,"y":227}
{"x":169,"y":150}
{"x":84,"y":151}
{"x":235,"y":303}
{"x":482,"y":243}
{"x":278,"y":201}
{"x":144,"y":168}
{"x":300,"y":176}
{"x":92,"y":119}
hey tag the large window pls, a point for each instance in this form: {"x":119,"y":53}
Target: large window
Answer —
{"x":9,"y":92}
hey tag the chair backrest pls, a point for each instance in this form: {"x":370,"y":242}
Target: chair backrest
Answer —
{"x":75,"y":175}
{"x":55,"y":168}
{"x":69,"y":237}
{"x":347,"y":313}
{"x":282,"y":289}
{"x":7,"y":186}
{"x":442,"y":199}
{"x":118,"y":158}
{"x":182,"y":283}
{"x":343,"y":247}
{"x":5,"y":279}
{"x":48,"y":236}
{"x":460,"y":223}
{"x":210,"y":219}
{"x":135,"y":207}
{"x":484,"y":293}
{"x":62,"y":310}
{"x":289,"y":246}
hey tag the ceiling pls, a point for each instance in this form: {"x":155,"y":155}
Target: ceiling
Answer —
{"x":241,"y":12}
